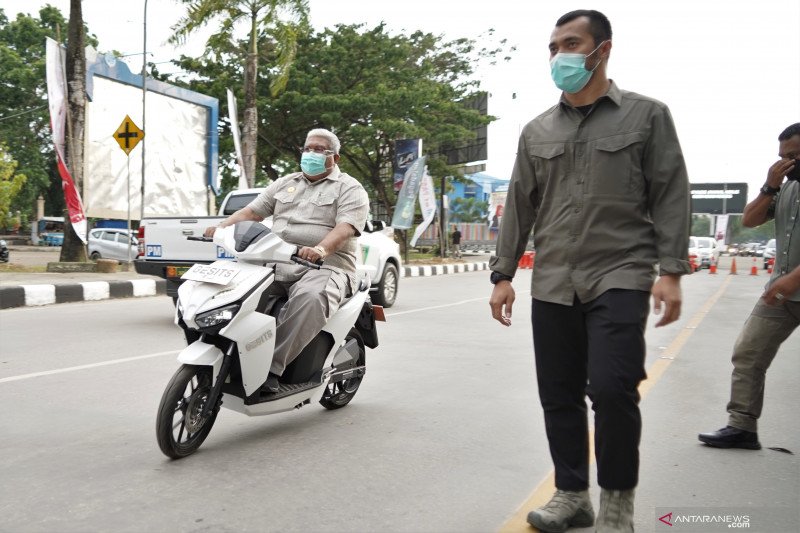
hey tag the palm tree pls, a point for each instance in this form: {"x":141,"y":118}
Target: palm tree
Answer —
{"x":279,"y":19}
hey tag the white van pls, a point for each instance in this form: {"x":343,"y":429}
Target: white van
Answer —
{"x":705,"y":249}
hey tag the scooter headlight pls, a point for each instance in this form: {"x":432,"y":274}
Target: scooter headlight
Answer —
{"x":218,"y":317}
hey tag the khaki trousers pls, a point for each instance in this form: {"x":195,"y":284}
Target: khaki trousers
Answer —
{"x":313,"y":299}
{"x":763,"y":333}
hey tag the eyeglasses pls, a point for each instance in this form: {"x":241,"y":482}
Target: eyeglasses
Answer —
{"x":316,"y":150}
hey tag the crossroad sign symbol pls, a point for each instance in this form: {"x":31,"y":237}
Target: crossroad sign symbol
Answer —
{"x":128,"y":135}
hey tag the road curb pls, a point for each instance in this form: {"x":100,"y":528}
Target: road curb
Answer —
{"x":24,"y":295}
{"x":46,"y":294}
{"x":439,"y":270}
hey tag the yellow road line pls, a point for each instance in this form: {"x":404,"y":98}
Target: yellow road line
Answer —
{"x":542,"y":493}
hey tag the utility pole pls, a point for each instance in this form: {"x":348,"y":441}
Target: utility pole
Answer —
{"x":144,"y":97}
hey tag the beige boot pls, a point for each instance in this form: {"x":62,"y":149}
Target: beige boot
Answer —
{"x":564,"y":510}
{"x":616,"y":511}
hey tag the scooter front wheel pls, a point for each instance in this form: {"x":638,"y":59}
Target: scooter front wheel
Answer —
{"x":179,"y":428}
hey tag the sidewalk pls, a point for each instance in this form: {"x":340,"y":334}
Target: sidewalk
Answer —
{"x":18,"y":289}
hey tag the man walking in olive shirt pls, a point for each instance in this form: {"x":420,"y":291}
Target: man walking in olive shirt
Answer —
{"x":601,"y":179}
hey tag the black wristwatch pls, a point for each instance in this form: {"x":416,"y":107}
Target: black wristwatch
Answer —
{"x":772,"y":191}
{"x":496,"y":277}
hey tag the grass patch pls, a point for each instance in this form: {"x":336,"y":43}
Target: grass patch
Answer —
{"x":12,"y":267}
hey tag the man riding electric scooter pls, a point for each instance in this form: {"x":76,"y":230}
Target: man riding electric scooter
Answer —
{"x":321,"y":210}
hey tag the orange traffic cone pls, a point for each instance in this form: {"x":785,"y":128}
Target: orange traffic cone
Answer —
{"x":770,"y":264}
{"x":733,"y":266}
{"x":712,"y":268}
{"x":754,"y":268}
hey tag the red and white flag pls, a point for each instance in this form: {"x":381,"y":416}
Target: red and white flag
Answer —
{"x":57,"y":101}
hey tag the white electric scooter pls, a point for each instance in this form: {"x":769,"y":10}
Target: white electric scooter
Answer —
{"x":228,"y":317}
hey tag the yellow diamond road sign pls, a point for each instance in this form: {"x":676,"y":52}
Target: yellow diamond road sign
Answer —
{"x":128,"y":135}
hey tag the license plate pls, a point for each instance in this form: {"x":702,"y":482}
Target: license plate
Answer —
{"x":220,"y":275}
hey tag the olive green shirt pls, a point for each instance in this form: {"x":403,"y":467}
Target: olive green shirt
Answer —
{"x":606,"y":194}
{"x":304,"y":212}
{"x":787,"y":233}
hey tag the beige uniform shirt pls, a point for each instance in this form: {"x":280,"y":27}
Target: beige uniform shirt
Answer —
{"x":304,"y":212}
{"x":607,"y":195}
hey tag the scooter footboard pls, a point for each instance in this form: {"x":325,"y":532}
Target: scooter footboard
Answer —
{"x":204,"y":354}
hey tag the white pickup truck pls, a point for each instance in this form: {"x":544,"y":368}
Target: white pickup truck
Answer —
{"x":164,"y":250}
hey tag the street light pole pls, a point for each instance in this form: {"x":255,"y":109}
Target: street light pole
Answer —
{"x":144,"y":97}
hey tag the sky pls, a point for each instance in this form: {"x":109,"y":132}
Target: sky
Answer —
{"x":728,"y":69}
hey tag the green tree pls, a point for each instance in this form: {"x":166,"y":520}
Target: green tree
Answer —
{"x":10,"y":184}
{"x":279,"y":19}
{"x":368,"y":86}
{"x":737,"y":233}
{"x":24,"y":117}
{"x":468,"y":210}
{"x":372,"y":88}
{"x":701,"y":225}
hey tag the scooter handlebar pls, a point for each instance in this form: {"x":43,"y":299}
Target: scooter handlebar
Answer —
{"x":303,"y":262}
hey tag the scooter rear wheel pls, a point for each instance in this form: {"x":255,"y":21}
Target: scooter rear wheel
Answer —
{"x":339,"y":394}
{"x":179,"y":429}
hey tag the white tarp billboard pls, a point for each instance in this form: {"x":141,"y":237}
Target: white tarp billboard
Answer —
{"x":181,"y":146}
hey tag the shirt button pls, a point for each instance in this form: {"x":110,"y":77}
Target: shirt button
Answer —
{"x":577,"y":209}
{"x":575,"y":239}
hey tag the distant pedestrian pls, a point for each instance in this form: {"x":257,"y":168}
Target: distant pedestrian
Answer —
{"x":601,"y":179}
{"x":455,"y":238}
{"x":777,"y":313}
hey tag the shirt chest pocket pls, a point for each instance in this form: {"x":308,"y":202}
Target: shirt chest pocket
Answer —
{"x":284,"y":202}
{"x":548,"y":163}
{"x":615,"y":167}
{"x":322,"y":209}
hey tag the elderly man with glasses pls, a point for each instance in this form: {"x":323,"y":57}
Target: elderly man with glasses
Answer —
{"x":322,"y":210}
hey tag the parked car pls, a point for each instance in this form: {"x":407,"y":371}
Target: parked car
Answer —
{"x":112,"y":243}
{"x":769,"y":252}
{"x":705,"y":249}
{"x":749,"y":249}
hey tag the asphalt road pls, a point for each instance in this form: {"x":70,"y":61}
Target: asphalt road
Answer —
{"x":445,"y":434}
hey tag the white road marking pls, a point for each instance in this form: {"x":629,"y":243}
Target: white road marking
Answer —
{"x":85,"y":367}
{"x":453,"y":304}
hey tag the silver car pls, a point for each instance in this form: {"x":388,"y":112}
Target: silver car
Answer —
{"x":112,"y":243}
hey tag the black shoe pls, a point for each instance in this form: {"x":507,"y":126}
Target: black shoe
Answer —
{"x":731,"y":437}
{"x":271,"y":384}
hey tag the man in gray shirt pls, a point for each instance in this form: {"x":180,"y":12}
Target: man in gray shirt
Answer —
{"x":777,"y":313}
{"x":601,"y":179}
{"x":322,"y":210}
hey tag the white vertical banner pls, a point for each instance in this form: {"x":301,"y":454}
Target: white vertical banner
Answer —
{"x":721,"y":231}
{"x":427,"y":204}
{"x":57,"y":94}
{"x":233,"y":115}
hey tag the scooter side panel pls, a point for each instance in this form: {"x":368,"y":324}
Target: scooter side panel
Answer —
{"x":203,"y":354}
{"x":342,"y":322}
{"x":254,"y":334}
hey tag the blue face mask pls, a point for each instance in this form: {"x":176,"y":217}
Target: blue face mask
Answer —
{"x":569,"y":71}
{"x":313,"y":164}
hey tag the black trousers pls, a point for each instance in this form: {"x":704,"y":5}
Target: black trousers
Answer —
{"x":595,"y":348}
